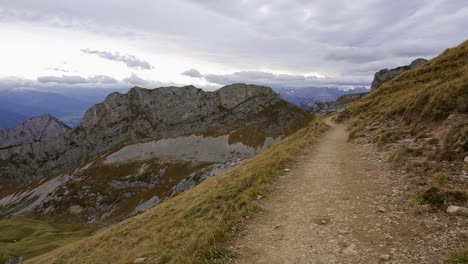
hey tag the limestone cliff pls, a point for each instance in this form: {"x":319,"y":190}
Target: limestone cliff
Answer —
{"x":142,"y":115}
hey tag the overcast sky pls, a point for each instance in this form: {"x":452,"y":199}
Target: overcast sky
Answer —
{"x":209,"y":43}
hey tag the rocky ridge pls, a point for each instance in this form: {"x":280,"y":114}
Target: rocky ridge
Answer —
{"x":136,"y":150}
{"x":386,"y":75}
{"x":41,"y":128}
{"x":144,"y":114}
{"x":321,"y":108}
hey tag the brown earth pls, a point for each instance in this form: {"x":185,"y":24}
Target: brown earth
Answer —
{"x":343,"y":204}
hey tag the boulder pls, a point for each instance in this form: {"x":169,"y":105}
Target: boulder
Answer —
{"x":140,"y":260}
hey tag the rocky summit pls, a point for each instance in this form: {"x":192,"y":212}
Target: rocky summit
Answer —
{"x":145,"y":114}
{"x":136,"y":150}
{"x":41,"y":128}
{"x":386,"y":75}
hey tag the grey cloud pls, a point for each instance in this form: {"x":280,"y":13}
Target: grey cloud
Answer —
{"x":329,"y":37}
{"x":74,"y":79}
{"x":354,"y":55}
{"x":130,"y":60}
{"x":63,"y":79}
{"x":286,"y":80}
{"x":135,"y":80}
{"x":192,"y":73}
{"x":99,"y":81}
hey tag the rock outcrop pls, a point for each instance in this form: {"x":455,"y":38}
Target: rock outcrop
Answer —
{"x":143,"y":115}
{"x":136,"y":150}
{"x":339,"y":105}
{"x":386,"y":75}
{"x":41,"y":128}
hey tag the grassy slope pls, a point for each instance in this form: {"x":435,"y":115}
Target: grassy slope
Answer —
{"x":421,"y":99}
{"x":28,"y":238}
{"x":431,"y":100}
{"x":193,"y":226}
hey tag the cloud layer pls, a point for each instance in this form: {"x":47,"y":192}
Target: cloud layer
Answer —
{"x":258,"y":39}
{"x":130,"y":60}
{"x":280,"y":80}
{"x":73,"y":81}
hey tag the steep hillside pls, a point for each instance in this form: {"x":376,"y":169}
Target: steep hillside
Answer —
{"x":136,"y":150}
{"x":421,"y":118}
{"x":386,"y":75}
{"x":193,"y":226}
{"x":41,"y":128}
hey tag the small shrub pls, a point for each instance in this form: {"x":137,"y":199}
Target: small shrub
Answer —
{"x":434,"y":196}
{"x":439,"y":180}
{"x":433,"y":141}
{"x":456,"y":197}
{"x":417,"y":205}
{"x":458,"y":256}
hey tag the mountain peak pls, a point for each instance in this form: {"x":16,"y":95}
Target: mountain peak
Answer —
{"x":40,"y":128}
{"x":166,"y":112}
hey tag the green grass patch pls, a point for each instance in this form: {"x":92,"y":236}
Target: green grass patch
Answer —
{"x":28,"y":238}
{"x":458,"y":256}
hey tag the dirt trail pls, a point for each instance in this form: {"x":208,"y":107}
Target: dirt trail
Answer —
{"x":340,"y":204}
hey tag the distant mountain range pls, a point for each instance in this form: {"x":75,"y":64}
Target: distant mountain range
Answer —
{"x":68,"y":105}
{"x":41,"y":128}
{"x":303,"y":97}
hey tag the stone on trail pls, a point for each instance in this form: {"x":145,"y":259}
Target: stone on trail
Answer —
{"x":139,"y":260}
{"x":457,"y":210}
{"x":350,"y":250}
{"x":384,"y":257}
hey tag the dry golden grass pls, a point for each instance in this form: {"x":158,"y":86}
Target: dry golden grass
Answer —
{"x":417,"y":105}
{"x":194,"y":226}
{"x":421,"y":99}
{"x":429,"y":92}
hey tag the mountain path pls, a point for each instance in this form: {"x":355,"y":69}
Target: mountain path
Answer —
{"x":339,"y":204}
